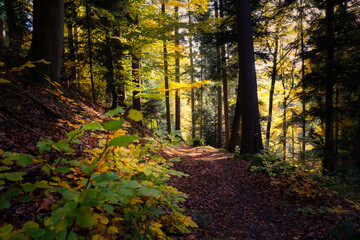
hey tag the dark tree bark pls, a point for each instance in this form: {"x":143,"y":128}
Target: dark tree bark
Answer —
{"x":303,"y":91}
{"x":225,"y":84}
{"x":218,"y":73}
{"x":88,"y":24}
{"x":109,"y":63}
{"x":71,"y":46}
{"x":251,"y":141}
{"x":177,"y":72}
{"x":166,"y":78}
{"x":11,"y":24}
{"x":329,"y":162}
{"x":2,"y":33}
{"x":48,"y":38}
{"x":136,"y":80}
{"x":272,"y":89}
{"x":192,"y":78}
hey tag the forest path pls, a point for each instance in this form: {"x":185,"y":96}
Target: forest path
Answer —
{"x":228,"y":202}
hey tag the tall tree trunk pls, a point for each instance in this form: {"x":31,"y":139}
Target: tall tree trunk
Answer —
{"x":48,"y":38}
{"x":251,"y":141}
{"x":218,"y":73}
{"x":2,"y":33}
{"x":201,"y":91}
{"x":225,"y":84}
{"x":219,"y":118}
{"x":11,"y":24}
{"x":166,"y":78}
{"x":88,"y":13}
{"x":136,"y":80}
{"x":177,"y":71}
{"x":69,"y":26}
{"x":109,"y":63}
{"x":329,"y":163}
{"x":303,"y":92}
{"x":284,"y":118}
{"x":121,"y":88}
{"x":191,"y":78}
{"x":272,"y":89}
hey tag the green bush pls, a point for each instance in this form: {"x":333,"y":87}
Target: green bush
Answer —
{"x":197,"y":142}
{"x":117,"y":190}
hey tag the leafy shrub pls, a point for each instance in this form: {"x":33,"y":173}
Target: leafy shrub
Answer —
{"x":198,"y":142}
{"x":117,"y":190}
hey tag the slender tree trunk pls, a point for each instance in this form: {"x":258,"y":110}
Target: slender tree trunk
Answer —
{"x":11,"y":24}
{"x":303,"y":93}
{"x":218,"y":73}
{"x":69,"y":25}
{"x":219,"y":118}
{"x":88,"y":14}
{"x":121,"y":88}
{"x":192,"y":78}
{"x":177,"y":71}
{"x":225,"y":84}
{"x":48,"y":38}
{"x":201,"y":91}
{"x":136,"y":80}
{"x":2,"y":33}
{"x":329,"y":163}
{"x":284,"y":121}
{"x":166,"y":78}
{"x":251,"y":141}
{"x":109,"y":63}
{"x":272,"y":89}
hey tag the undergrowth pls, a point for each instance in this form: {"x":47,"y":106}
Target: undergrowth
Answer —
{"x":116,"y":190}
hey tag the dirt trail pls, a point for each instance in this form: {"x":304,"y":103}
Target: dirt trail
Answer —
{"x":228,"y":202}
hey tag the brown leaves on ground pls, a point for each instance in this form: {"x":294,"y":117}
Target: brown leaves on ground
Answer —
{"x":228,"y":202}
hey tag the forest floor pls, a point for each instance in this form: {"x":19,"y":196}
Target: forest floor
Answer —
{"x":228,"y":202}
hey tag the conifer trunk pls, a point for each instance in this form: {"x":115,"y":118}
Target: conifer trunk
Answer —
{"x":88,"y":24}
{"x":177,"y":71}
{"x":166,"y":78}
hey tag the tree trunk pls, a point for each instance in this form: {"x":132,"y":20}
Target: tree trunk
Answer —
{"x":48,"y":38}
{"x":192,"y":78}
{"x":219,"y":118}
{"x":166,"y":78}
{"x":251,"y":141}
{"x":272,"y":89}
{"x":11,"y":24}
{"x":109,"y":63}
{"x":90,"y":50}
{"x":2,"y":33}
{"x":69,"y":26}
{"x":177,"y":71}
{"x":303,"y":93}
{"x":136,"y":80}
{"x":225,"y":85}
{"x":329,"y":163}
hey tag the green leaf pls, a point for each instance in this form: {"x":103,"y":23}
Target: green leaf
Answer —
{"x":135,"y":115}
{"x":131,"y":184}
{"x":114,"y":112}
{"x":35,"y":232}
{"x":123,"y":140}
{"x":84,"y":217}
{"x":12,"y":192}
{"x":149,"y":192}
{"x":2,"y":182}
{"x":30,"y":225}
{"x":46,"y":169}
{"x":106,"y":177}
{"x":61,"y":145}
{"x":63,"y":169}
{"x":93,"y":126}
{"x":26,"y":198}
{"x":28,"y":187}
{"x":108,"y":208}
{"x":4,"y":168}
{"x":15,"y":176}
{"x":44,"y":145}
{"x":74,"y":134}
{"x":24,"y":159}
{"x":114,"y":125}
{"x":4,"y":204}
{"x":6,"y":228}
{"x":125,"y":192}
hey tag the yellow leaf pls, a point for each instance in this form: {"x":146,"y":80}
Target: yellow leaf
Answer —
{"x":2,"y":64}
{"x":104,"y":220}
{"x":4,"y":81}
{"x":113,"y":229}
